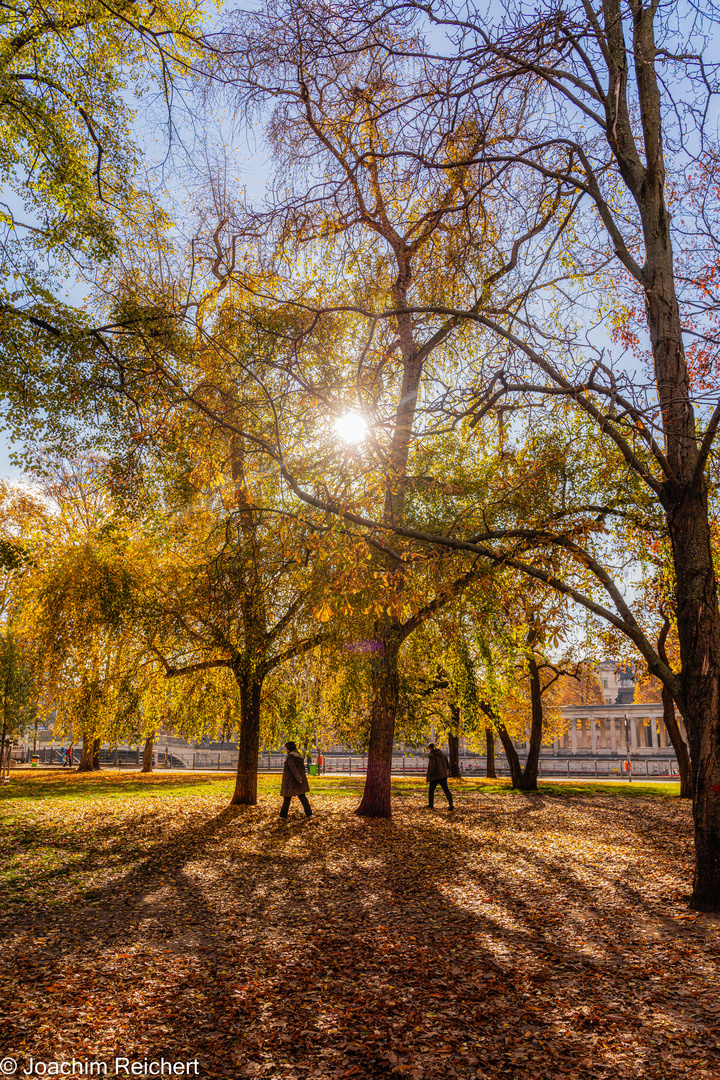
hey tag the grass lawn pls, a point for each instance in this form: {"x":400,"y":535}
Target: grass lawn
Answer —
{"x":525,"y":936}
{"x":54,"y":783}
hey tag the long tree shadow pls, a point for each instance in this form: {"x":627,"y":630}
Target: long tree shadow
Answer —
{"x":351,"y":947}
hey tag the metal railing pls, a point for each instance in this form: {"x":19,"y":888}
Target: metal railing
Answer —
{"x":174,"y":757}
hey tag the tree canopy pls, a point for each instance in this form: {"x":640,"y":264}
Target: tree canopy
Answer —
{"x":415,"y":438}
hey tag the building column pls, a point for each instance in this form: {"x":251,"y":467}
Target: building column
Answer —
{"x":573,"y":736}
{"x":654,"y":735}
{"x":593,"y":735}
{"x":633,"y":735}
{"x":556,"y":747}
{"x":613,"y":735}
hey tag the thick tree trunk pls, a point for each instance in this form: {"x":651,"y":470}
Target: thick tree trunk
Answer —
{"x":148,"y":755}
{"x":248,"y":667}
{"x":679,"y":745}
{"x":86,"y":757}
{"x":673,"y":728}
{"x":376,"y":796}
{"x":508,"y":746}
{"x":454,"y":742}
{"x":634,"y":134}
{"x":454,"y":756}
{"x":512,"y":756}
{"x":2,"y":742}
{"x":245,"y":793}
{"x":96,"y":755}
{"x":684,"y":494}
{"x":2,"y":736}
{"x":490,"y":754}
{"x":528,"y":781}
{"x":684,"y":498}
{"x":698,"y":623}
{"x":383,"y":709}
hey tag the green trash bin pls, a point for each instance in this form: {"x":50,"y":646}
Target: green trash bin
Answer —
{"x":34,"y":761}
{"x":313,"y":770}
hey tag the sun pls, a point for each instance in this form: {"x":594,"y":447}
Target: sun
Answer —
{"x":352,"y":428}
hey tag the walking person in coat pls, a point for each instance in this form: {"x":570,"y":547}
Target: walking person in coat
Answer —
{"x":438,"y":771}
{"x":294,"y":781}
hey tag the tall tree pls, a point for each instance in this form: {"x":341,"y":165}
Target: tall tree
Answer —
{"x":241,"y":597}
{"x":382,"y":239}
{"x":74,"y":600}
{"x":617,"y":107}
{"x":624,"y":86}
{"x":17,"y":693}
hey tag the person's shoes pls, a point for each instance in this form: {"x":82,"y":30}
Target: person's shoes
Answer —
{"x":451,"y":807}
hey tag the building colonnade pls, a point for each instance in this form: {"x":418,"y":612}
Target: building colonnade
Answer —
{"x":607,"y":729}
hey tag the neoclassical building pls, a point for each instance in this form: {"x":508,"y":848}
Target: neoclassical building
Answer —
{"x":613,"y":729}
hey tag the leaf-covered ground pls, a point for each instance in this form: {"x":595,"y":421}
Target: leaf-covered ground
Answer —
{"x":524,"y":936}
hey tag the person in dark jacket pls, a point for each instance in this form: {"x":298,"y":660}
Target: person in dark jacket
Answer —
{"x":294,"y":781}
{"x":438,"y":771}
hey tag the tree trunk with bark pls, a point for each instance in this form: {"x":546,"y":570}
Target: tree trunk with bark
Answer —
{"x":528,"y":780}
{"x":508,"y":746}
{"x":86,"y":756}
{"x":623,"y":79}
{"x":512,"y":756}
{"x":671,"y":724}
{"x":246,"y":777}
{"x":683,"y":494}
{"x":679,"y":745}
{"x":147,"y":766}
{"x":4,"y":732}
{"x":96,"y":755}
{"x":684,"y":497}
{"x":248,"y":666}
{"x":385,"y":690}
{"x":490,"y":754}
{"x":454,"y":756}
{"x":376,"y":796}
{"x":698,"y":625}
{"x":454,"y":742}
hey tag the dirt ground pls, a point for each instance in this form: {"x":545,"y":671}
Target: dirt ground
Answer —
{"x":524,"y":936}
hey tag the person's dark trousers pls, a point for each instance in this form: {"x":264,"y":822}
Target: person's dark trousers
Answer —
{"x":286,"y":806}
{"x":444,"y":785}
